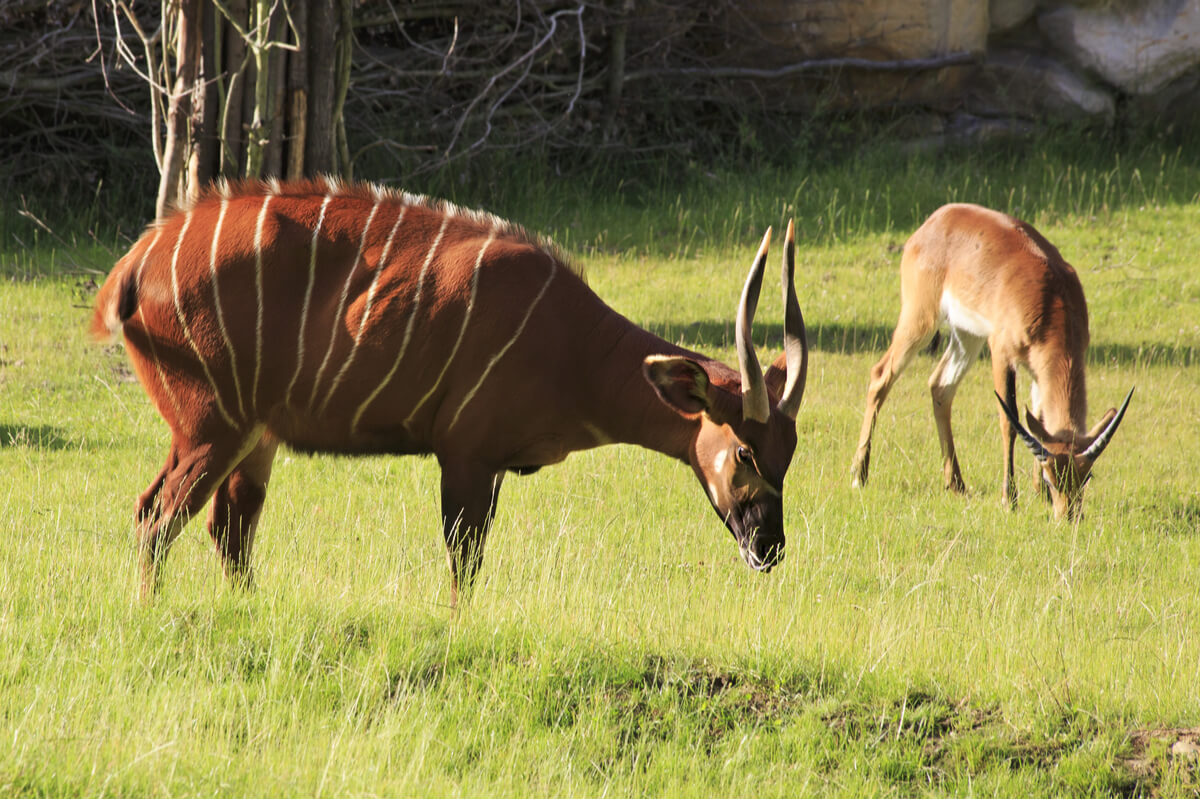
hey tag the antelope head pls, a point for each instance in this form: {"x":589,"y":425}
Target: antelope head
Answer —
{"x":1066,"y":465}
{"x":746,"y":431}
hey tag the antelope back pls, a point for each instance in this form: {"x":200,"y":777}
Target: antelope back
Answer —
{"x":347,"y":318}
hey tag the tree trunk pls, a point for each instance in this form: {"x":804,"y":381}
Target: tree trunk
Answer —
{"x":298,"y":92}
{"x":260,"y":116}
{"x":345,"y":48}
{"x":205,"y":156}
{"x":324,"y":22}
{"x":236,"y":73}
{"x":171,"y":190}
{"x":273,"y":156}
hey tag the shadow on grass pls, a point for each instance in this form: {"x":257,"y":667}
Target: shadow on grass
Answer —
{"x":827,"y":338}
{"x":40,"y":437}
{"x":851,"y":339}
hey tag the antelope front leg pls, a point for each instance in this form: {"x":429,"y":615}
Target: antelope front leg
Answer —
{"x":236,"y":508}
{"x":469,"y":493}
{"x":943,"y":383}
{"x":1004,"y":378}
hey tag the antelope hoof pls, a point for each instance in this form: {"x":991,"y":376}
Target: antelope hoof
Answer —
{"x":858,"y":472}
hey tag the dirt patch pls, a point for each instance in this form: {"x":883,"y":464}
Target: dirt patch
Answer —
{"x":1153,"y":749}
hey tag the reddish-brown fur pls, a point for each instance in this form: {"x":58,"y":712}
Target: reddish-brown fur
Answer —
{"x":994,"y":278}
{"x":475,"y":342}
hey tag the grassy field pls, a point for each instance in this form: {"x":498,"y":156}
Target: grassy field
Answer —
{"x":913,"y":642}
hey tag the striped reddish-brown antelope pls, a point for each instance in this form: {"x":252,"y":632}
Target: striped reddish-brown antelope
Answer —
{"x":356,"y":319}
{"x":992,"y":278}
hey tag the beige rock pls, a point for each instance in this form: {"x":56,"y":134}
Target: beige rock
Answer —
{"x":1185,"y":749}
{"x":1008,"y":14}
{"x":876,"y":29}
{"x":1032,"y":86}
{"x":1137,"y":47}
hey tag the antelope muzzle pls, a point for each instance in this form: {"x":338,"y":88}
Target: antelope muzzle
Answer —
{"x":759,"y":534}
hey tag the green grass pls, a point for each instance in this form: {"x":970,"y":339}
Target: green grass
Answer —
{"x":912,"y":643}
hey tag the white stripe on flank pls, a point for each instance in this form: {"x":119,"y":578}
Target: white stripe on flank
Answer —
{"x":337,"y":317}
{"x":312,"y":276}
{"x":150,"y":339}
{"x":462,"y":330}
{"x":362,"y":323}
{"x":258,"y":287}
{"x":528,"y":313}
{"x":412,"y":318}
{"x":212,"y":269}
{"x":187,"y":334}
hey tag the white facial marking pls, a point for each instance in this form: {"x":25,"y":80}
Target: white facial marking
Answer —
{"x":187,"y":221}
{"x":462,"y":329}
{"x":719,"y":460}
{"x":712,"y":492}
{"x":412,"y":318}
{"x":500,"y":353}
{"x":312,"y":276}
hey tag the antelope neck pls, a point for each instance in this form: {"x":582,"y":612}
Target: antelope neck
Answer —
{"x":620,"y":401}
{"x":1062,"y":385}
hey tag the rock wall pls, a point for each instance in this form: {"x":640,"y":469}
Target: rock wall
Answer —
{"x":1026,"y":61}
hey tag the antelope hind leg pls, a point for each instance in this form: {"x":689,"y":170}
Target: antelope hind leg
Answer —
{"x":191,"y":474}
{"x":912,"y":333}
{"x":235,"y":510}
{"x":962,"y":350}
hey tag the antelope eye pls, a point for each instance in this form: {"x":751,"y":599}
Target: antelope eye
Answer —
{"x":743,"y":455}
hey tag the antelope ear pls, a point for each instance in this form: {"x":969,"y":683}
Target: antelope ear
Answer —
{"x":776,"y":378}
{"x":1036,"y":427}
{"x":680,"y":382}
{"x":1099,"y":427}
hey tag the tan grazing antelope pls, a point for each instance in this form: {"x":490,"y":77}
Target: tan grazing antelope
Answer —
{"x":356,"y":319}
{"x":992,"y":278}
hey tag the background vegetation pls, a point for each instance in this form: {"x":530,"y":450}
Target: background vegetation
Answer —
{"x":913,"y":642}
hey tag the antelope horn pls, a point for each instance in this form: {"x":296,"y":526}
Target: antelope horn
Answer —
{"x":1035,"y":447}
{"x":756,"y":404}
{"x":795,"y":338}
{"x":1097,"y":446}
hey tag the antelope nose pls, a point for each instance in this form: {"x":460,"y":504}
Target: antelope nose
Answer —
{"x":763,"y":556}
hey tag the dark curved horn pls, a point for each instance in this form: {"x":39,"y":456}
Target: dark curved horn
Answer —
{"x":795,"y":338}
{"x":756,"y":404}
{"x":1035,"y":447}
{"x":1097,"y":446}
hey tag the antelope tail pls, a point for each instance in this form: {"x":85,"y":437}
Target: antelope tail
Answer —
{"x":115,"y":303}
